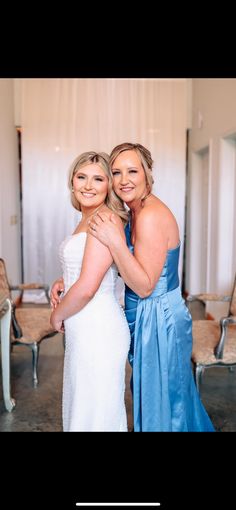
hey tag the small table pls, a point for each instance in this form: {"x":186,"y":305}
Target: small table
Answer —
{"x":5,"y":324}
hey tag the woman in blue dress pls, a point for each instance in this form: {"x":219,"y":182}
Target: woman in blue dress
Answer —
{"x":165,"y":397}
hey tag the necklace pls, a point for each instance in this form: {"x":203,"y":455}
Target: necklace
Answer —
{"x":94,"y":212}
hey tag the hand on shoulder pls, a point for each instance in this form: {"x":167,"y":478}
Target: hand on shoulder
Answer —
{"x":112,"y":217}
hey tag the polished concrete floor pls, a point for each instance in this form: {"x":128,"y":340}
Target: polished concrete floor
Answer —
{"x":39,"y":409}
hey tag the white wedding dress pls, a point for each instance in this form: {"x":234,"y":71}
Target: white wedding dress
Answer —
{"x":97,"y":342}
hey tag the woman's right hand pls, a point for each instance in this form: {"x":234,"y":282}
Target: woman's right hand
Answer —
{"x":56,"y":290}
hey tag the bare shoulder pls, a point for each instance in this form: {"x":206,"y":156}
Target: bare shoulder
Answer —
{"x":157,"y":211}
{"x":155,"y":217}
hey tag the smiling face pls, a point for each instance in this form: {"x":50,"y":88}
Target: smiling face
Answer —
{"x":90,"y":184}
{"x":129,"y":179}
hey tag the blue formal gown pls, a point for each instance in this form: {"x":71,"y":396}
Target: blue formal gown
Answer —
{"x":165,"y":397}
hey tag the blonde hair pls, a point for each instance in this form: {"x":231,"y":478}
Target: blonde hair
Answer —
{"x":102,"y":159}
{"x":144,"y":155}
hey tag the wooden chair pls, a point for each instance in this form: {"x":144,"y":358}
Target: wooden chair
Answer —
{"x":29,"y":324}
{"x":214,"y":341}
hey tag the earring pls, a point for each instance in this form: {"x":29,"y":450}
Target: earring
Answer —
{"x":72,"y":190}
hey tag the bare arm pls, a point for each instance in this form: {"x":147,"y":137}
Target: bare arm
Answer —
{"x":142,"y":270}
{"x":96,"y":261}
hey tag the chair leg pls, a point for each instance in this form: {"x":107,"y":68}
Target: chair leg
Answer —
{"x":5,"y":358}
{"x":35,"y":357}
{"x":198,"y":371}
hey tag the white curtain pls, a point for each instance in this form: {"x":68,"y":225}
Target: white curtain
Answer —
{"x":61,"y":118}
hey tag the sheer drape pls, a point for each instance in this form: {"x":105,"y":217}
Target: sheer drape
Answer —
{"x":63,"y":117}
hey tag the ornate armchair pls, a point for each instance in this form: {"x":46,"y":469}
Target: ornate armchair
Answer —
{"x":214,"y":342}
{"x":29,"y":324}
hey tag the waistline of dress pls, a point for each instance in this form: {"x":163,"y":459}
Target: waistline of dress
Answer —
{"x":159,"y":291}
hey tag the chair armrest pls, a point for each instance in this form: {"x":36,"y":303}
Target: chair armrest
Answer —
{"x":227,"y":320}
{"x":208,"y":297}
{"x":17,"y":331}
{"x":4,"y":295}
{"x":224,"y":321}
{"x":28,"y":286}
{"x":32,"y":286}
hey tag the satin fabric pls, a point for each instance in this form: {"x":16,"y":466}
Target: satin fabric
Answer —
{"x":165,"y":397}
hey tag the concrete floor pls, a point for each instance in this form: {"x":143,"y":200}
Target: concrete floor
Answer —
{"x":39,"y":410}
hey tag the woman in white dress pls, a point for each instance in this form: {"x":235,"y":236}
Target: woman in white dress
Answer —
{"x":97,"y":335}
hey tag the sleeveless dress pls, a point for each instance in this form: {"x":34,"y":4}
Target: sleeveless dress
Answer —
{"x":97,"y":341}
{"x":165,"y":397}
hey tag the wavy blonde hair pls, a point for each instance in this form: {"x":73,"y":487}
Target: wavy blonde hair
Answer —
{"x":102,"y":159}
{"x":144,"y":156}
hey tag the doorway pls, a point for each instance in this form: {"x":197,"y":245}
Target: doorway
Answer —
{"x":198,"y":223}
{"x":19,"y":131}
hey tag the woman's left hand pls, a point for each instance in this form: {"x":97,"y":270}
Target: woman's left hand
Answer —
{"x":56,"y":324}
{"x":105,"y":229}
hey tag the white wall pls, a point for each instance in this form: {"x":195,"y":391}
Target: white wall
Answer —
{"x":9,"y":188}
{"x":213,"y":131}
{"x":63,"y":117}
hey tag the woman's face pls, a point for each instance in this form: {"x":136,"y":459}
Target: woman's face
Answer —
{"x":90,"y":185}
{"x":129,"y":179}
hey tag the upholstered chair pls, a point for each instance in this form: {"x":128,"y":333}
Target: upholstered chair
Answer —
{"x":30,"y":324}
{"x":214,"y":341}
